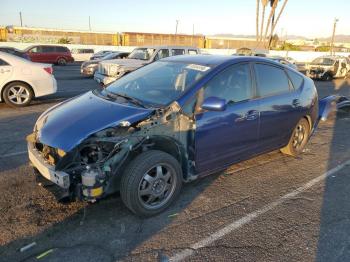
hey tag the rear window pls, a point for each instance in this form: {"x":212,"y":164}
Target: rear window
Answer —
{"x":177,"y":52}
{"x":3,"y":63}
{"x":271,"y":80}
{"x":296,"y":79}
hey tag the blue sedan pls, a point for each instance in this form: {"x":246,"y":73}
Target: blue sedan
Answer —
{"x":170,"y":122}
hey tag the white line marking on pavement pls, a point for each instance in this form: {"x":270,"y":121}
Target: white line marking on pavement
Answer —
{"x":251,"y":216}
{"x":13,"y":154}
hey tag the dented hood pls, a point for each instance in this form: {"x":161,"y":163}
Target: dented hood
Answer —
{"x":66,"y":125}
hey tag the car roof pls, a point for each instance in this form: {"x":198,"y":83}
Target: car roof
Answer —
{"x":215,"y":60}
{"x":13,"y":58}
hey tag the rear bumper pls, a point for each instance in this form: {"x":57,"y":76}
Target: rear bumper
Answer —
{"x":58,"y":177}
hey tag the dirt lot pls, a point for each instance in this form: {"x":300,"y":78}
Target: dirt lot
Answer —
{"x":270,"y":208}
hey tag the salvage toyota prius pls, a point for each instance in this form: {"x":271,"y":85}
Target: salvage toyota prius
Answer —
{"x":171,"y":122}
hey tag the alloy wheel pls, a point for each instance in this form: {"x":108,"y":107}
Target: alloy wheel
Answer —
{"x":18,"y":95}
{"x":157,"y":186}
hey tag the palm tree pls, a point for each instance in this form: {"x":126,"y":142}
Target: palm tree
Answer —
{"x":261,"y":36}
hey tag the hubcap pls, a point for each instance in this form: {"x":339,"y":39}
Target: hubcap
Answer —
{"x":18,"y":95}
{"x":157,"y":186}
{"x":299,"y":137}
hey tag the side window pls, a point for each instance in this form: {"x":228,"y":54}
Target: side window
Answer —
{"x":192,"y":52}
{"x":37,"y":49}
{"x":234,"y":84}
{"x":3,"y":63}
{"x":177,"y":52}
{"x":62,"y":49}
{"x":296,"y":79}
{"x":271,"y":80}
{"x":48,"y":49}
{"x":162,"y":53}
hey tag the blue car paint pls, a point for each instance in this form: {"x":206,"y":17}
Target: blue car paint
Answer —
{"x":221,"y":138}
{"x":68,"y":124}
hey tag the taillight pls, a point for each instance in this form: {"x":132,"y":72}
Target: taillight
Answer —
{"x":49,"y":70}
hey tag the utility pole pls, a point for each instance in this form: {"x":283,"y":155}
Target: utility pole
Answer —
{"x":333,"y":35}
{"x":89,"y":23}
{"x":177,"y":23}
{"x":20,"y":18}
{"x":193,"y":29}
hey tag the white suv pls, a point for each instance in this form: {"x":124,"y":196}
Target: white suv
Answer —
{"x":110,"y":70}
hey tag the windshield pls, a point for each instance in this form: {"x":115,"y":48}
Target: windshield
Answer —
{"x":159,"y":83}
{"x":109,"y":56}
{"x":323,"y":61}
{"x":142,"y":53}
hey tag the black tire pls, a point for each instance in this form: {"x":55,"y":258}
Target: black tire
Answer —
{"x":18,"y":94}
{"x":298,"y":140}
{"x":61,"y":61}
{"x":134,"y":178}
{"x":327,"y":77}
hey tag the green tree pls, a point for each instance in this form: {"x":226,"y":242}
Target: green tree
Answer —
{"x":64,"y":41}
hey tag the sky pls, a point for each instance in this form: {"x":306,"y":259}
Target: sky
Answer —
{"x":310,"y":18}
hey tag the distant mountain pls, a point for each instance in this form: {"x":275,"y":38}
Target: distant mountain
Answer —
{"x":337,"y":38}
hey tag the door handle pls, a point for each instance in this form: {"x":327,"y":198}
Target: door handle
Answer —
{"x":296,"y":102}
{"x":4,"y":71}
{"x":250,"y":115}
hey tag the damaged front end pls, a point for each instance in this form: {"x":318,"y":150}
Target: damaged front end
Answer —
{"x":93,"y":168}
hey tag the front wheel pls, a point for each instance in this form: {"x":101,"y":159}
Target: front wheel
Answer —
{"x":298,"y":140}
{"x":150,"y":183}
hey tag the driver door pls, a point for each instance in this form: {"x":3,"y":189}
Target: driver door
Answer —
{"x":228,"y":136}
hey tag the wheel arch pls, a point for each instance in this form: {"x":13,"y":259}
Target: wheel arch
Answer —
{"x":308,"y":118}
{"x":15,"y":81}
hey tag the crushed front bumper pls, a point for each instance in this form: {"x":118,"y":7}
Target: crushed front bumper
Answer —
{"x":45,"y":169}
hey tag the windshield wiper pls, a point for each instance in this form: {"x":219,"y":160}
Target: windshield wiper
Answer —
{"x":129,"y":98}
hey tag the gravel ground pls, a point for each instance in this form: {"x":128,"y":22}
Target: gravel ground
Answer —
{"x":312,"y":225}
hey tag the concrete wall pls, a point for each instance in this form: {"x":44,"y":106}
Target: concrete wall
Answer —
{"x":300,"y":56}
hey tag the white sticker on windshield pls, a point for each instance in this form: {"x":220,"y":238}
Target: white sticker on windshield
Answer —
{"x":198,"y":67}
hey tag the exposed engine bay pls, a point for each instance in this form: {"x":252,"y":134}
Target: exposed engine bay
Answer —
{"x":93,"y":169}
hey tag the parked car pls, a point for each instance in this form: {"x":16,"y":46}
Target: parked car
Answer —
{"x":13,"y":51}
{"x":109,"y":71}
{"x":328,"y":67}
{"x":170,"y":122}
{"x":82,"y":54}
{"x":88,"y":68}
{"x":59,"y":55}
{"x":100,"y":54}
{"x":22,"y":80}
{"x":283,"y":61}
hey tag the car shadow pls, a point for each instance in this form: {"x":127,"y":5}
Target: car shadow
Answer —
{"x":333,"y":237}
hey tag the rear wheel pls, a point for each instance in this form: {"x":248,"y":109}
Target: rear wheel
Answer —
{"x":150,"y":183}
{"x":298,"y":140}
{"x":61,"y":61}
{"x":18,"y":94}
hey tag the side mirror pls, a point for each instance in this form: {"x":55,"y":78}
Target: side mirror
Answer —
{"x":214,"y":104}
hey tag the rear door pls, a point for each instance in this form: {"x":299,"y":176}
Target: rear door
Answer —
{"x":279,"y":106}
{"x":5,"y":72}
{"x":225,"y":137}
